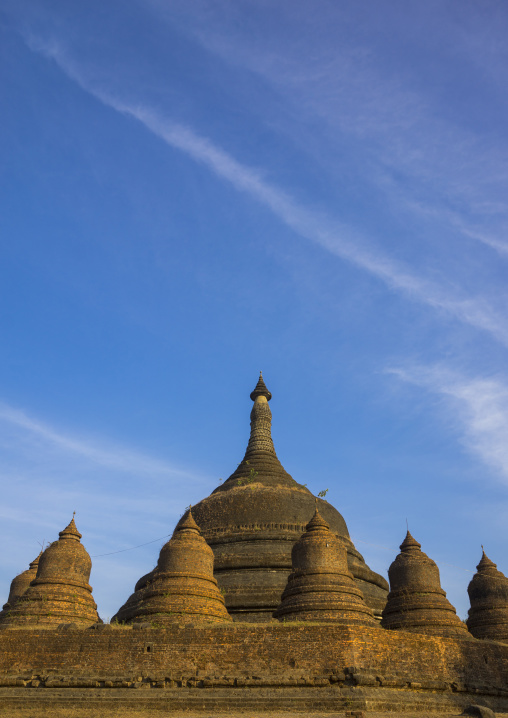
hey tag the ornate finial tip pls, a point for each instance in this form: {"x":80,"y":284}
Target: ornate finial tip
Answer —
{"x":485,"y":562}
{"x":260,"y":389}
{"x":70,"y":531}
{"x":409,"y":543}
{"x":188,"y":523}
{"x":317,"y":522}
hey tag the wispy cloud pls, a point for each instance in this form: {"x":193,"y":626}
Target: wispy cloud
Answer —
{"x":117,"y":458}
{"x":399,"y":127}
{"x":336,"y":238}
{"x":478,"y":407}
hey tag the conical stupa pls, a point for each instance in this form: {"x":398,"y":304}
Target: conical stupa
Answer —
{"x":252,"y":520}
{"x":488,"y":594}
{"x":21,"y":582}
{"x":416,"y":601}
{"x":60,"y":592}
{"x":321,"y":588}
{"x":182,"y":587}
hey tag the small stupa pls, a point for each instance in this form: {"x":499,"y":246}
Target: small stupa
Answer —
{"x":182,"y":587}
{"x":488,"y":594}
{"x":321,"y":587}
{"x":60,"y":592}
{"x":416,"y":601}
{"x":21,"y":582}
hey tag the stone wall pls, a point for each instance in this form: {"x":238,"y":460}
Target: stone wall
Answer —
{"x":263,"y":666}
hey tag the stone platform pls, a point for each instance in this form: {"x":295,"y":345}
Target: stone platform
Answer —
{"x":248,"y":669}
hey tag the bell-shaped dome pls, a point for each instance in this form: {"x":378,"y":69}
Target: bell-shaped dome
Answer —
{"x":60,"y":592}
{"x":488,"y":594}
{"x":321,"y":588}
{"x":181,"y":588}
{"x":416,"y":601}
{"x":21,"y":582}
{"x":252,"y":520}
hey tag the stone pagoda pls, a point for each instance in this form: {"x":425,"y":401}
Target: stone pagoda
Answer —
{"x":321,"y":587}
{"x":60,"y":592}
{"x":488,"y":594}
{"x":252,"y":520}
{"x":416,"y":601}
{"x":182,"y":587}
{"x":20,"y":583}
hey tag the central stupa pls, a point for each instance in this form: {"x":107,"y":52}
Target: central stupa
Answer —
{"x":252,"y":520}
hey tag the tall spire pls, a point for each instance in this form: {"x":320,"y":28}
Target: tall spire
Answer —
{"x":260,"y":464}
{"x":260,"y":420}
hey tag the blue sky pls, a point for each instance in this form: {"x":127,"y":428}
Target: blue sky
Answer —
{"x":192,"y":192}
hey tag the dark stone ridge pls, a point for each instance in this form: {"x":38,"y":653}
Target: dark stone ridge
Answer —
{"x":60,"y":592}
{"x":21,"y":582}
{"x":252,"y":520}
{"x":321,"y":588}
{"x":181,"y":588}
{"x":416,"y":601}
{"x":488,"y":594}
{"x":478,"y":711}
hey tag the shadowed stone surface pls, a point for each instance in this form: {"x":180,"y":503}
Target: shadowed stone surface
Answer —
{"x":321,"y":588}
{"x":478,"y":711}
{"x":60,"y":592}
{"x":21,"y":582}
{"x":416,"y":601}
{"x":182,"y":587}
{"x":488,"y":594}
{"x":253,"y":519}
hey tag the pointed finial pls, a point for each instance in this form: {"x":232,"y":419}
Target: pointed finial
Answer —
{"x":317,"y":522}
{"x":409,"y":543}
{"x":260,"y":389}
{"x":70,"y":531}
{"x":188,"y":523}
{"x":35,"y":562}
{"x":485,"y":563}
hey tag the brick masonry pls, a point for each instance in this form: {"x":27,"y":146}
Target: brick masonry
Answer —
{"x":262,"y":666}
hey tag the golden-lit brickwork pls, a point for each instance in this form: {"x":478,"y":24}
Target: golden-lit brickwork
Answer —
{"x":320,"y":587}
{"x":182,"y":586}
{"x":252,"y":520}
{"x":416,"y":601}
{"x":60,"y":591}
{"x":21,"y":582}
{"x":488,"y":593}
{"x":304,"y":636}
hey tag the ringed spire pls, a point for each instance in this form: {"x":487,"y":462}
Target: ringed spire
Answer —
{"x":260,"y":389}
